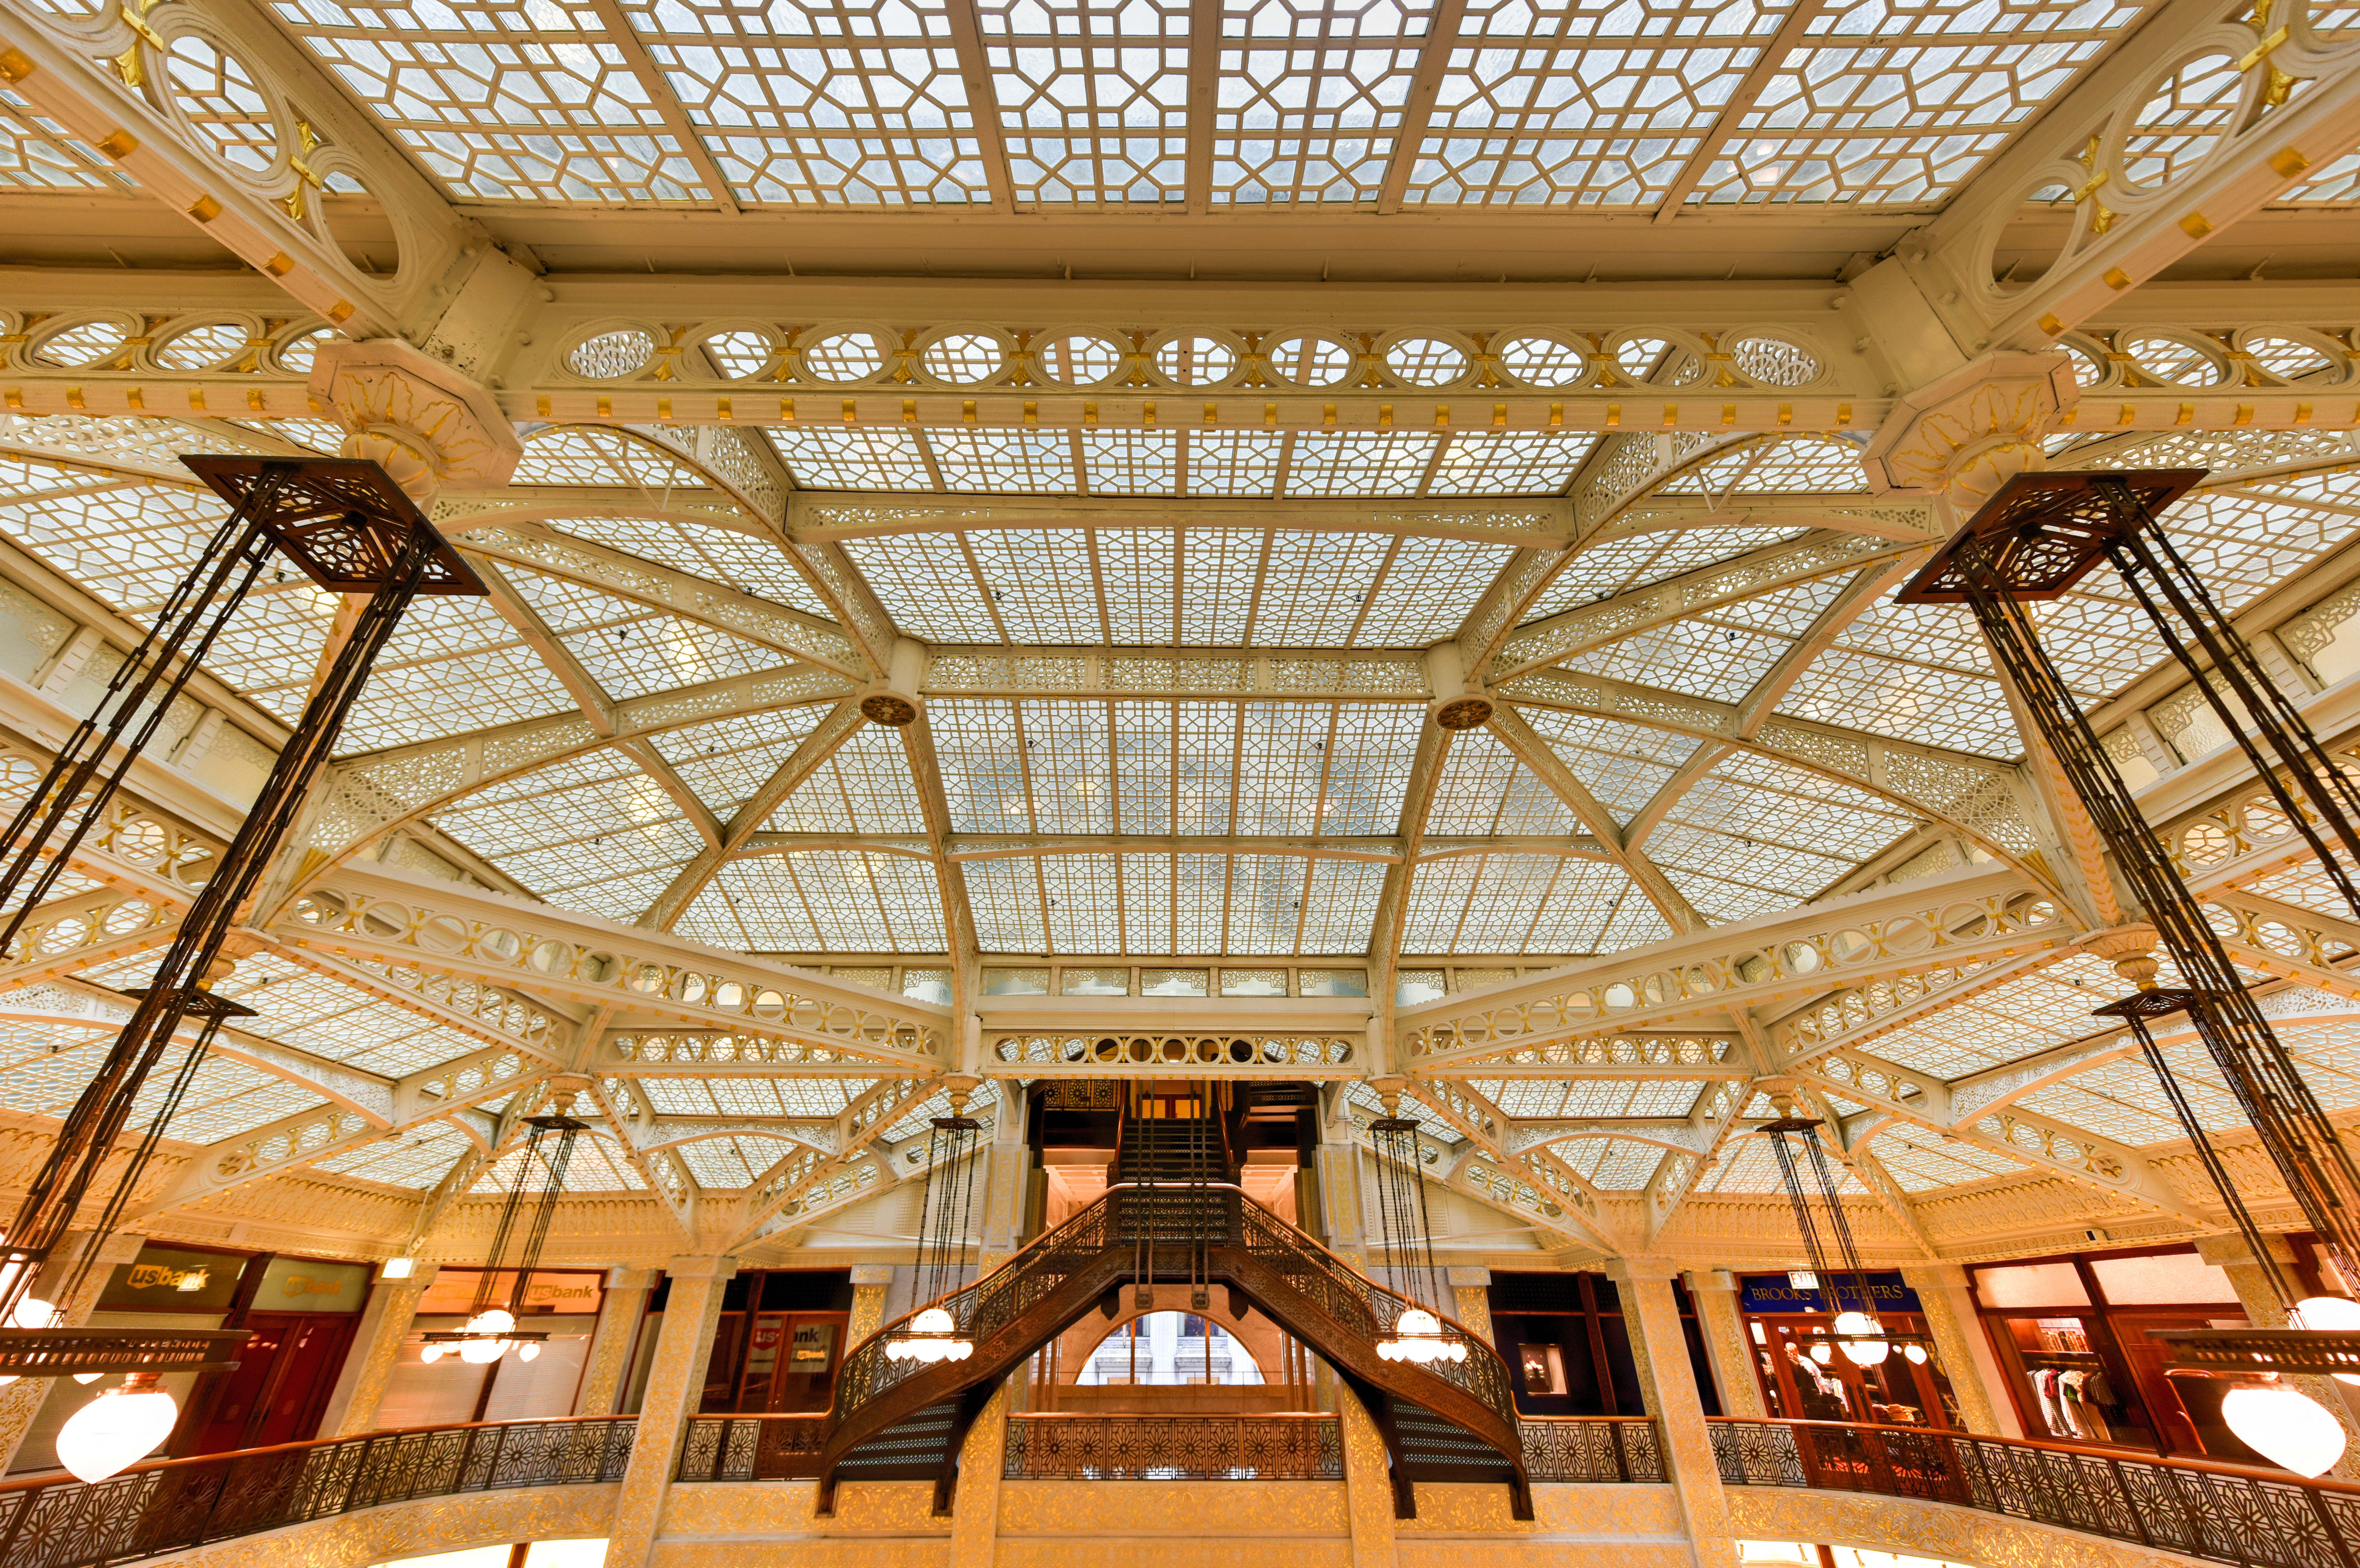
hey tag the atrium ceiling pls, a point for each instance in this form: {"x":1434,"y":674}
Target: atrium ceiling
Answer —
{"x":1177,"y":577}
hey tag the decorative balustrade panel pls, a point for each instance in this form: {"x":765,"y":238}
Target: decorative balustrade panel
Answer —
{"x":1591,"y":1448}
{"x":183,"y":1503}
{"x":2250,"y":1517}
{"x":752,"y":1448}
{"x":1173,"y":1448}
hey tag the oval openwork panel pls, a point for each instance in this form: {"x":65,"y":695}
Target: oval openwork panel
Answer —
{"x":613,"y":355}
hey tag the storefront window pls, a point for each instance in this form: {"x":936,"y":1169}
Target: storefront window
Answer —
{"x":777,"y":1341}
{"x":562,"y":1303}
{"x":2078,"y":1337}
{"x":1805,"y":1376}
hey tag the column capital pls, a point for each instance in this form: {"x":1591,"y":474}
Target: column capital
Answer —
{"x":702,"y":1268}
{"x":426,"y":423}
{"x":2230,"y":1251}
{"x":1635,"y":1270}
{"x":1965,"y":433}
{"x":1952,"y":1275}
{"x":421,"y":1274}
{"x":1712,"y":1280}
{"x":872,"y":1273}
{"x":630,"y":1278}
{"x":1469,"y":1277}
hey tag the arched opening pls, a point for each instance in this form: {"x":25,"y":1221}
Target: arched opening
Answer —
{"x":1168,"y":1349}
{"x":1168,"y":1358}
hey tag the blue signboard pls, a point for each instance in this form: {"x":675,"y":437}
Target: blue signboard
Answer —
{"x":1772,"y":1293}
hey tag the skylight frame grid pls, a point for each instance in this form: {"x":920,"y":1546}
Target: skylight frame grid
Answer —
{"x":1937,"y":707}
{"x":1069,"y":763}
{"x":339,"y":1022}
{"x":866,"y":786}
{"x":981,"y":758}
{"x":1309,"y":106}
{"x":1138,"y":573}
{"x":1043,"y":583}
{"x":997,"y":462}
{"x":38,"y":154}
{"x":1510,"y":462}
{"x":1237,"y":464}
{"x":1580,"y":104}
{"x":533,"y":102}
{"x":1086,"y":69}
{"x":928,"y":584}
{"x":1219,"y":585}
{"x":723,"y":762}
{"x":1131,"y":463}
{"x":750,"y":564}
{"x":416,"y":1159}
{"x":1623,"y":765}
{"x":1326,"y":463}
{"x":806,"y":105}
{"x":1694,"y":658}
{"x":825,"y":457}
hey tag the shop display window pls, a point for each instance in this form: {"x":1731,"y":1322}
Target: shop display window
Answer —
{"x":1805,"y":1377}
{"x":2078,"y":1337}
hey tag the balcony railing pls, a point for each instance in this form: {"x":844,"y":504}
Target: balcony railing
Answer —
{"x":751,"y":1448}
{"x":1591,"y":1448}
{"x":2255,"y":1519}
{"x":59,"y":1522}
{"x":1058,"y":1447}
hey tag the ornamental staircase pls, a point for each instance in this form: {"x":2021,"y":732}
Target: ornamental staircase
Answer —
{"x":1174,"y":1214}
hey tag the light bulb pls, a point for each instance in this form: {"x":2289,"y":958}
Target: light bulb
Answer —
{"x":527,"y":1351}
{"x":118,"y":1429}
{"x":431,"y":1355}
{"x":33,"y":1313}
{"x":1916,"y":1353}
{"x":1417,"y":1319}
{"x":86,"y":1378}
{"x":2328,"y":1314}
{"x":482,"y":1352}
{"x":496,"y":1321}
{"x":933,"y":1320}
{"x":1855,"y":1323}
{"x":2284,"y":1426}
{"x":1821,"y":1354}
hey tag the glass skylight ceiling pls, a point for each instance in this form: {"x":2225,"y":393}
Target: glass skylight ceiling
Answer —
{"x":1101,"y":829}
{"x":849,"y":104}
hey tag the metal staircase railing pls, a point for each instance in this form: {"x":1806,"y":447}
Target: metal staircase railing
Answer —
{"x":1320,"y":1297}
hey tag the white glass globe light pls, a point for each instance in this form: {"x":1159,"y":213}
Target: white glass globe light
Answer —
{"x":1821,"y":1354}
{"x":1417,"y":1338}
{"x":2285,"y":1426}
{"x":118,"y":1429}
{"x":1858,"y":1351}
{"x":431,"y":1355}
{"x":939,"y":1342}
{"x":480,"y":1351}
{"x":2328,"y":1314}
{"x":1916,"y":1353}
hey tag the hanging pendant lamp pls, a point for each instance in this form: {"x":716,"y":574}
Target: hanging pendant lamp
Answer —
{"x":491,"y":1328}
{"x":1417,"y":1335}
{"x":933,"y":1334}
{"x":1859,"y":1335}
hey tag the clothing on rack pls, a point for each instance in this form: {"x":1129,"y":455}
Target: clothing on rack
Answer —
{"x":2080,"y":1394}
{"x":2053,"y":1408}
